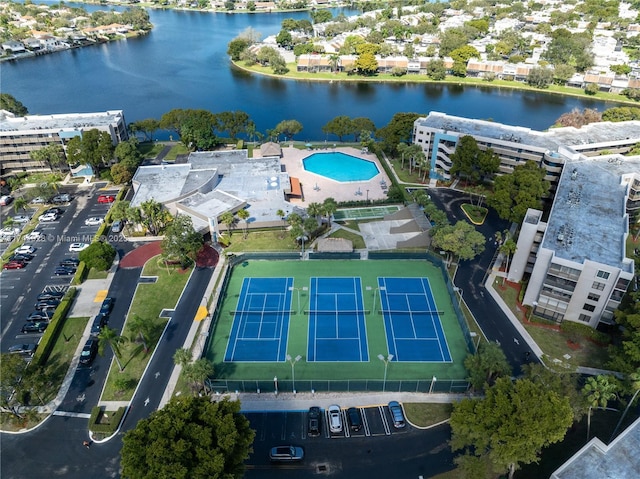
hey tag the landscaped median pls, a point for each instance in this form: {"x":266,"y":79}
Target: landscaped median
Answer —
{"x":143,"y":328}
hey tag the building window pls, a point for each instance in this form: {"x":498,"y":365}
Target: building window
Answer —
{"x":593,"y":297}
{"x":603,"y":274}
{"x":589,"y":307}
{"x":597,"y":285}
{"x":584,"y":317}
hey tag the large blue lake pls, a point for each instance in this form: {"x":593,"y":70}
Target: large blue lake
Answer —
{"x":183,"y":63}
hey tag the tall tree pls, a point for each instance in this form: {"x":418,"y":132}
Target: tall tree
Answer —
{"x":12,"y":369}
{"x":461,"y":240}
{"x":198,"y":372}
{"x":110,"y":337}
{"x":140,"y":327}
{"x":598,"y":390}
{"x":154,"y":217}
{"x":281,"y":214}
{"x":51,"y":154}
{"x":94,"y":147}
{"x":233,"y":122}
{"x":399,"y":129}
{"x":10,"y":104}
{"x":289,"y":128}
{"x":513,"y":194}
{"x":488,"y":364}
{"x":511,"y":425}
{"x":182,"y":357}
{"x":181,"y":241}
{"x":244,"y":215}
{"x":191,"y":437}
{"x":508,"y":248}
{"x":340,"y":126}
{"x":147,"y":127}
{"x":228,"y":220}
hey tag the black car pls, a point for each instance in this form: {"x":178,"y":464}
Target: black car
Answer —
{"x":396,"y":413}
{"x":107,"y":306}
{"x":25,"y":349}
{"x":47,"y":304}
{"x":44,"y":315}
{"x":72,"y":262}
{"x":355,"y":418}
{"x":99,"y":322}
{"x":21,"y":257}
{"x":89,"y":352}
{"x":314,"y":421}
{"x":50,"y":295}
{"x":37,"y":327}
{"x":64,"y":271}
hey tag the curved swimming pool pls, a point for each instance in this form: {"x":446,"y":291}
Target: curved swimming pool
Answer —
{"x":340,"y":166}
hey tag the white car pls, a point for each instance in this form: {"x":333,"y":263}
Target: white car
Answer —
{"x":21,"y":218}
{"x":35,"y":236}
{"x":48,"y":217}
{"x":25,"y":249}
{"x":75,"y":247}
{"x":94,"y":221}
{"x":38,"y":200}
{"x":335,"y":419}
{"x":9,"y":231}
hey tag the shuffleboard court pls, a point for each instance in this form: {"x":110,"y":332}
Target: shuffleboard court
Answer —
{"x":337,"y":330}
{"x":412,"y":320}
{"x":261,"y":321}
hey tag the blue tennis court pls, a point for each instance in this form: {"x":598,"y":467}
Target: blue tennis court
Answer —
{"x":412,"y":320}
{"x":261,"y":321}
{"x":337,"y":329}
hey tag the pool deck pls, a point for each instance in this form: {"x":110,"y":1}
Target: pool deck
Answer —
{"x":327,"y":188}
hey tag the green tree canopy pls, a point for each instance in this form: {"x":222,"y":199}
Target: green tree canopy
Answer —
{"x":232,"y":122}
{"x":488,"y":364}
{"x":461,"y":240}
{"x":513,"y":194}
{"x":51,"y":154}
{"x":471,"y":162}
{"x":236,"y":47}
{"x":289,"y":128}
{"x":94,"y":147}
{"x":340,"y":126}
{"x":181,"y":241}
{"x":366,"y":64}
{"x":540,"y":77}
{"x":9,"y":103}
{"x":511,"y":425}
{"x":190,"y":438}
{"x":147,"y":127}
{"x":398,"y":130}
{"x":98,"y":255}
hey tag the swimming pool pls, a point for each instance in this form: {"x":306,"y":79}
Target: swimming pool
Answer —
{"x":340,"y":166}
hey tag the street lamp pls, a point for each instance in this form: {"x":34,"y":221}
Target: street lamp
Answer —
{"x":275,"y":383}
{"x":433,"y":381}
{"x":302,"y":238}
{"x":459,"y":291}
{"x":386,"y":362}
{"x":367,"y":196}
{"x":293,"y":362}
{"x":304,"y":288}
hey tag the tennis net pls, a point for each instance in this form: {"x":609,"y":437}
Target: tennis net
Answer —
{"x":411,"y":312}
{"x":325,"y":312}
{"x":261,"y":312}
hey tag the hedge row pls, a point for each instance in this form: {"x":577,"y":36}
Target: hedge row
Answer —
{"x":50,"y":335}
{"x":81,"y":273}
{"x":109,"y":428}
{"x":585,"y":331}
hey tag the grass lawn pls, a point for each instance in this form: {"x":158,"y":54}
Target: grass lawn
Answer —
{"x":357,"y":240}
{"x":95,"y":274}
{"x":554,"y":343}
{"x":150,"y":149}
{"x":177,"y":149}
{"x":148,"y":302}
{"x":273,"y":240}
{"x":476,"y":214}
{"x":415,"y":176}
{"x":427,"y":414}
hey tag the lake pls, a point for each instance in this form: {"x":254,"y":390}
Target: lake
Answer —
{"x":183,"y":63}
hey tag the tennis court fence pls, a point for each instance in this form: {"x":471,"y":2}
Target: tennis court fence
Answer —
{"x":449,"y":386}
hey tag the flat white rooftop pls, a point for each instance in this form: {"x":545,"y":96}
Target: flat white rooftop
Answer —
{"x":59,"y":122}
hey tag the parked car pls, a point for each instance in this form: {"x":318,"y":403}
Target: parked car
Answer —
{"x":355,"y":419}
{"x":35,"y":236}
{"x":106,"y":306}
{"x":396,"y":414}
{"x":48,"y":217}
{"x":47,"y":304}
{"x":50,"y":295}
{"x":37,"y":327}
{"x":25,"y":349}
{"x":314,"y":421}
{"x":14,"y":264}
{"x":99,"y":322}
{"x":21,"y":257}
{"x":73,"y":262}
{"x":117,"y":226}
{"x":25,"y":249}
{"x":5,"y":200}
{"x":89,"y":352}
{"x":56,"y":210}
{"x":44,"y":315}
{"x":286,"y":454}
{"x":21,"y":218}
{"x":64,"y":271}
{"x":38,"y":200}
{"x":94,"y":221}
{"x":335,"y":418}
{"x":106,"y":199}
{"x":10,"y":231}
{"x":76,"y":247}
{"x":63,"y":198}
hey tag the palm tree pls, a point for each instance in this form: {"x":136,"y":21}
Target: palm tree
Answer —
{"x":198,"y":372}
{"x":402,"y":149}
{"x":599,"y":391}
{"x":182,"y":357}
{"x":281,"y":214}
{"x":329,"y":207}
{"x":244,"y":216}
{"x":634,"y":382}
{"x":228,"y":220}
{"x":140,"y":328}
{"x":315,"y":210}
{"x":508,"y":248}
{"x":110,"y":337}
{"x":20,"y":204}
{"x":334,"y":61}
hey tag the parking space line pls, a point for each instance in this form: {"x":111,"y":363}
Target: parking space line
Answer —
{"x":387,"y":431}
{"x":365,"y":422}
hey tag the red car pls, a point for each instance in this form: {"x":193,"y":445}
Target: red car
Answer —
{"x":106,"y":199}
{"x":14,"y":264}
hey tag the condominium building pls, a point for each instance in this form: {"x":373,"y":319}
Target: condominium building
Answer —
{"x":20,"y":136}
{"x":577,"y":264}
{"x":438,"y":135}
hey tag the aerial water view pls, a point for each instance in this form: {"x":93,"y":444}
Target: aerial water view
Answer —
{"x":276,"y":239}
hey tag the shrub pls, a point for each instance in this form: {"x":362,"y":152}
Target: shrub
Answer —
{"x":103,"y":423}
{"x":576,"y":330}
{"x":81,"y":273}
{"x":50,"y":335}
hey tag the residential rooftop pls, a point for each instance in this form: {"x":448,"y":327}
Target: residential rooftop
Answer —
{"x":65,"y":121}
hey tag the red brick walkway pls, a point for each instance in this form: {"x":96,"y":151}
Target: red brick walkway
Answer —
{"x":207,"y":257}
